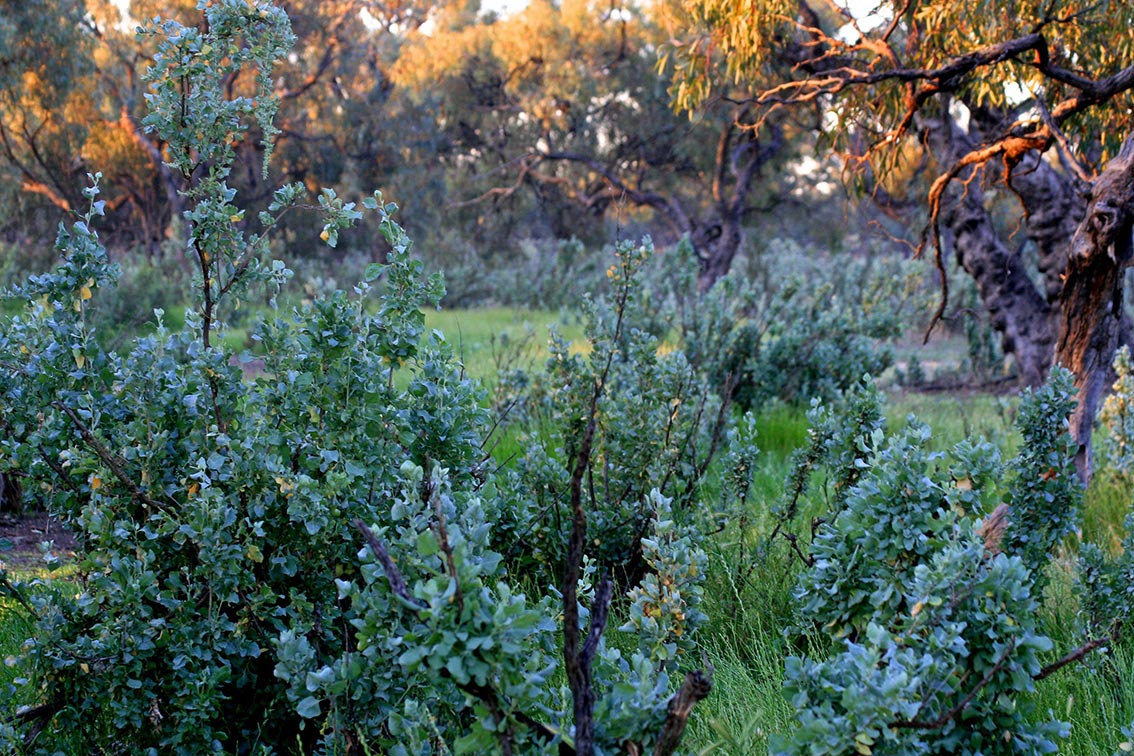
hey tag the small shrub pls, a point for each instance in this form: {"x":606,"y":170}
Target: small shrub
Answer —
{"x":927,"y":578}
{"x":1107,"y":578}
{"x":1116,"y":450}
{"x":659,"y":424}
{"x":1108,"y":584}
{"x":810,"y":331}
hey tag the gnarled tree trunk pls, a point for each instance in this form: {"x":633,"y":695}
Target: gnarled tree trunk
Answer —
{"x":1017,"y":310}
{"x":1091,"y":299}
{"x":1077,"y":320}
{"x":1015,"y":307}
{"x":744,"y":161}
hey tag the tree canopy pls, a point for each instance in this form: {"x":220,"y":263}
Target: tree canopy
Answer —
{"x":1029,"y":97}
{"x":874,"y":72}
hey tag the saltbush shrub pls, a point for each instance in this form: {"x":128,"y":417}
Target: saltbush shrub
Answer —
{"x":811,"y":329}
{"x":659,"y":424}
{"x":1116,"y":447}
{"x":221,"y":600}
{"x":928,"y":578}
{"x":1108,"y":578}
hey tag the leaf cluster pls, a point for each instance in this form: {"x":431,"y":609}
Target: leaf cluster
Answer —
{"x":809,"y":329}
{"x":928,"y":578}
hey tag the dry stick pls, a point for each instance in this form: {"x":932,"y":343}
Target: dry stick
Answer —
{"x":696,"y":687}
{"x":577,"y":665}
{"x":393,"y":575}
{"x":1072,"y":657}
{"x":58,"y":470}
{"x":719,"y":426}
{"x":600,"y":610}
{"x":40,"y":716}
{"x":12,"y":592}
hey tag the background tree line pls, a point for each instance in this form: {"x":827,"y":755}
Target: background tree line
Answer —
{"x":550,"y":123}
{"x":971,"y":131}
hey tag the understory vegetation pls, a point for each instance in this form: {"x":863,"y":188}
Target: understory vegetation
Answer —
{"x":303,"y":527}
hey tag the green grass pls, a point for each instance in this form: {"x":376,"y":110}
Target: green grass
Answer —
{"x":16,"y":621}
{"x":748,"y":597}
{"x":957,"y":416}
{"x":486,"y":338}
{"x":481,"y":338}
{"x":1096,"y":696}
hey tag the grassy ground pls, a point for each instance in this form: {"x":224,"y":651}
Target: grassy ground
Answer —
{"x":486,"y":338}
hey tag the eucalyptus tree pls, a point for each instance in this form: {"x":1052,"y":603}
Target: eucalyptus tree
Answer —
{"x":43,"y":63}
{"x":563,"y":102}
{"x":1030,"y":97}
{"x":72,"y":101}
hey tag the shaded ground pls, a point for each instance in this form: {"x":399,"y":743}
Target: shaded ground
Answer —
{"x":26,"y":533}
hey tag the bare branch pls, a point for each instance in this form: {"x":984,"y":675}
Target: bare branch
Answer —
{"x":393,"y":574}
{"x":1072,"y":657}
{"x":112,"y":461}
{"x":670,"y":209}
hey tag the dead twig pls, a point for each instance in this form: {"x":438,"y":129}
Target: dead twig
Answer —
{"x":1072,"y":657}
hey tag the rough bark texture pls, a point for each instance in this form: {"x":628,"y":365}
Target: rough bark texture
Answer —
{"x":1017,"y":310}
{"x":1054,"y":203}
{"x":1091,"y":300}
{"x":1015,"y":307}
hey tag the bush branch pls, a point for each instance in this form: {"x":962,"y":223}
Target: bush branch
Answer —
{"x":1072,"y":657}
{"x":915,"y":724}
{"x":113,"y":462}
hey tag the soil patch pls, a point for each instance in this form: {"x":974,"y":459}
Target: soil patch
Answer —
{"x":25,"y":533}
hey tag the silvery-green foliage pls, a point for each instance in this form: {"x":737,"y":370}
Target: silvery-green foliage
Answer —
{"x":1108,"y":580}
{"x":1108,"y":583}
{"x":1127,"y":745}
{"x":213,"y":513}
{"x":189,"y":86}
{"x":740,"y":462}
{"x":457,"y":632}
{"x":222,"y":603}
{"x":1116,"y":450}
{"x":664,"y":607}
{"x":464,"y":641}
{"x":810,"y":329}
{"x":840,"y":435}
{"x":931,"y":605}
{"x":1045,"y":494}
{"x":659,"y":424}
